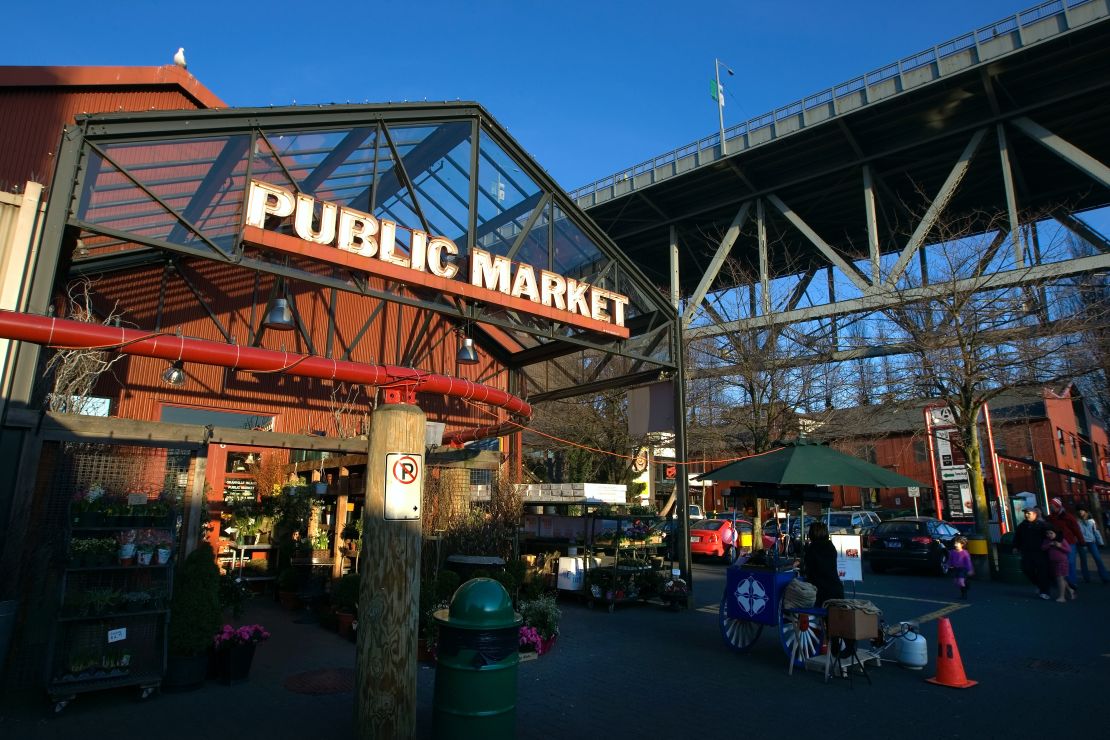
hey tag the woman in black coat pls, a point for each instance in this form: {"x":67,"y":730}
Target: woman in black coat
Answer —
{"x":819,"y":566}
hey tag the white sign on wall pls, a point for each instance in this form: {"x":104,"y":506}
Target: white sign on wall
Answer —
{"x":849,"y":556}
{"x":942,"y":417}
{"x":404,"y":482}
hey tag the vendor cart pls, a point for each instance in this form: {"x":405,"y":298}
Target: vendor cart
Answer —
{"x":754,"y":593}
{"x":753,"y":599}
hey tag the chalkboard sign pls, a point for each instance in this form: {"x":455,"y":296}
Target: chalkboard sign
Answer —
{"x":240,"y":489}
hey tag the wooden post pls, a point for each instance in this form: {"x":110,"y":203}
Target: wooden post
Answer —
{"x":389,"y":593}
{"x":340,"y":523}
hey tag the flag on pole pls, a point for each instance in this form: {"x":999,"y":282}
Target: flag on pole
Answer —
{"x":717,"y":92}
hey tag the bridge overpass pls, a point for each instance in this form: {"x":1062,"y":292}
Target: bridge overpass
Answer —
{"x":1006,"y":119}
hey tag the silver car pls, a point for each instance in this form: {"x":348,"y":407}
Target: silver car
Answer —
{"x":851,"y":522}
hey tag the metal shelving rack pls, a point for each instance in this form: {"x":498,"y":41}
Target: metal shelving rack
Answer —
{"x":108,"y":622}
{"x":115,"y":640}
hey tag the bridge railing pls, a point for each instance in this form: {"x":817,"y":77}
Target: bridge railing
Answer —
{"x":976,"y":46}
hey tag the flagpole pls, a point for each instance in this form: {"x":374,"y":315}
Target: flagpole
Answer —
{"x":720,"y":105}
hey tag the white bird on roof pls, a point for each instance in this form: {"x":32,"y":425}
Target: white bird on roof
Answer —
{"x":179,"y":57}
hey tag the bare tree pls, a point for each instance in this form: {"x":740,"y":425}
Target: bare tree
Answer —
{"x":74,"y":373}
{"x":967,"y":340}
{"x":343,"y":404}
{"x":758,"y":380}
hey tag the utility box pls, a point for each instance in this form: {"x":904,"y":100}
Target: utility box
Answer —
{"x":852,"y":624}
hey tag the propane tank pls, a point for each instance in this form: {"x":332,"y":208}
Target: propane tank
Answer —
{"x":913,"y":649}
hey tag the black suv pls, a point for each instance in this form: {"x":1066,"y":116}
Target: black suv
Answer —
{"x":911,"y":542}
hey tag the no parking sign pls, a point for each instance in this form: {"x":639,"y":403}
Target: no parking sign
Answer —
{"x":404,"y":482}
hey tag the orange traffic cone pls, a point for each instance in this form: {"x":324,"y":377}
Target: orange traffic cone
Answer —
{"x":950,"y":669}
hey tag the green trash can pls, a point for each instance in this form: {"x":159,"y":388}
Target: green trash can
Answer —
{"x":476,"y":664}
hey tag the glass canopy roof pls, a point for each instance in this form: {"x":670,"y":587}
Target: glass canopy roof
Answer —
{"x":178,"y":182}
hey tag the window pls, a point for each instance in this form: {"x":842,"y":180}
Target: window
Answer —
{"x":480,"y":477}
{"x":1060,"y":439}
{"x":920,"y":452}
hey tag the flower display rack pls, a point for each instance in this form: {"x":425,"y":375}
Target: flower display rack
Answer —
{"x":114,"y":561}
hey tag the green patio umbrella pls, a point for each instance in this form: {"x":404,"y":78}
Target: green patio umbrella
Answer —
{"x":804,"y":463}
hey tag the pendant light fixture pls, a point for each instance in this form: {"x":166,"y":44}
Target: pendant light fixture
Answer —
{"x":279,"y":315}
{"x":466,"y":355}
{"x":175,"y":374}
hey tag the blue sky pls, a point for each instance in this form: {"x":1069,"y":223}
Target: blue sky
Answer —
{"x":588,"y":88}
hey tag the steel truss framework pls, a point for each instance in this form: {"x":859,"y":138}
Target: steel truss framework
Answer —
{"x":857,"y":195}
{"x":163,"y":187}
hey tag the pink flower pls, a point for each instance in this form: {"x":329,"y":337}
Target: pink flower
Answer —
{"x":247,"y":634}
{"x":530,"y":638}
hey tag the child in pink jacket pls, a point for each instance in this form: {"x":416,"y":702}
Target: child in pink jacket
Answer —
{"x":959,"y":560}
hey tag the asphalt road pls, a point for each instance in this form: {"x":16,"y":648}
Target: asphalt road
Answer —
{"x":647,"y":672}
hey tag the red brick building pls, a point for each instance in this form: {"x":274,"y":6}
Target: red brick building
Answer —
{"x":1031,"y":425}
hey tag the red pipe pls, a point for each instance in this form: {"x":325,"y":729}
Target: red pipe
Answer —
{"x":68,"y":334}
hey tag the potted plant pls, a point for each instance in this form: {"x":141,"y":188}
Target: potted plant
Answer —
{"x":144,"y":547}
{"x":541,"y":620}
{"x":345,"y":597}
{"x":321,"y":545}
{"x":194,"y":618}
{"x":106,"y":551}
{"x":163,"y":547}
{"x":234,"y":648}
{"x":126,"y":552}
{"x":82,"y":552}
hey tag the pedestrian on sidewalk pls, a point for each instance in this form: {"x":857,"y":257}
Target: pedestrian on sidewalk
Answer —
{"x":959,"y":560}
{"x":1067,"y":528}
{"x":1092,"y":541}
{"x":1057,"y":549}
{"x":1028,"y":537}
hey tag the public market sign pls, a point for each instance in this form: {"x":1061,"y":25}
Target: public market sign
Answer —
{"x":345,"y":236}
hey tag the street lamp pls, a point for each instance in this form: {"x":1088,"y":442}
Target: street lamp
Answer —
{"x":719,"y":93}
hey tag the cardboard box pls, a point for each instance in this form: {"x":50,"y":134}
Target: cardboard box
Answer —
{"x":852,"y":624}
{"x":571,"y":572}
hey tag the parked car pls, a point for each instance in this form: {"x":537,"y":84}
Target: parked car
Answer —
{"x":773,"y":526}
{"x":851,"y":522}
{"x":718,"y":538}
{"x":695,"y":512}
{"x":911,"y":542}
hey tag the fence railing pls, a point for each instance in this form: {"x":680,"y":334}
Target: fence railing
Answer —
{"x":935,"y":55}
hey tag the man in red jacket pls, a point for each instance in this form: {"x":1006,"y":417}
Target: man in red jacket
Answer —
{"x":1068,"y":525}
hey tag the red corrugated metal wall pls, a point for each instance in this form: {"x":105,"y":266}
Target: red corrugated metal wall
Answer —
{"x":301,"y":405}
{"x":31,"y":121}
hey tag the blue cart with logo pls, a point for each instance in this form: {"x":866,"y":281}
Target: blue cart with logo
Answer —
{"x":753,"y":599}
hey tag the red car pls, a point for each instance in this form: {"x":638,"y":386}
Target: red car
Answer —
{"x":717,"y":538}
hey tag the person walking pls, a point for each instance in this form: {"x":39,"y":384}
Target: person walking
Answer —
{"x":959,"y":560}
{"x":1092,"y":541}
{"x":1067,"y":528}
{"x":1057,"y":549}
{"x":1028,"y":537}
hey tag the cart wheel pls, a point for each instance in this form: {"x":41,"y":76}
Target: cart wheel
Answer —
{"x":739,"y":634}
{"x":145,"y":692}
{"x":809,"y":634}
{"x":60,"y":705}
